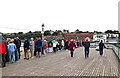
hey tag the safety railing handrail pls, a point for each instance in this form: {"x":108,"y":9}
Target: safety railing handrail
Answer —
{"x":116,"y":50}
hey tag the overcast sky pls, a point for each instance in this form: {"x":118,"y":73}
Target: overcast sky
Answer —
{"x":85,"y":15}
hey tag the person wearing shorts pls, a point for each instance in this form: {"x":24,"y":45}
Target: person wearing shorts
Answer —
{"x":39,"y":46}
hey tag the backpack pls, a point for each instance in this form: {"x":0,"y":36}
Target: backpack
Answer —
{"x":46,"y":45}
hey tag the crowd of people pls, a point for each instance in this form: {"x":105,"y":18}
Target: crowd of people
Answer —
{"x":10,"y":51}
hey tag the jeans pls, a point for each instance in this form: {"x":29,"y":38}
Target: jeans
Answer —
{"x":16,"y":55}
{"x":86,"y":52}
{"x":44,"y":51}
{"x":71,"y":53}
{"x":11,"y":53}
{"x":19,"y":52}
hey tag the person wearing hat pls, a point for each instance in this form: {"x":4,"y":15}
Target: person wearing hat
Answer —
{"x":11,"y":49}
{"x":31,"y":47}
{"x":3,"y":50}
{"x":26,"y":48}
{"x":86,"y":45}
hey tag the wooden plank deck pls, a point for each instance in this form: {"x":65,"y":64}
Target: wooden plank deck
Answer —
{"x":61,"y":64}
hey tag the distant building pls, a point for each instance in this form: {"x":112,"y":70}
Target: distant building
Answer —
{"x":37,"y":32}
{"x":52,"y":37}
{"x":99,"y":37}
{"x":78,"y":36}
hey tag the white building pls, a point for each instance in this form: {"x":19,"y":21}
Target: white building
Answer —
{"x":112,"y":35}
{"x":99,"y":37}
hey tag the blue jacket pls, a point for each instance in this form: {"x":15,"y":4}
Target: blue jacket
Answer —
{"x":26,"y":44}
{"x":11,"y":47}
{"x":39,"y":43}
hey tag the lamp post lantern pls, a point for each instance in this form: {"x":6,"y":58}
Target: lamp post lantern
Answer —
{"x":43,"y":31}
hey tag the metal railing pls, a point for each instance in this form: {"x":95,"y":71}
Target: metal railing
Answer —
{"x":116,"y":50}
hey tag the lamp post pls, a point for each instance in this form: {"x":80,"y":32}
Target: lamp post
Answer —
{"x":43,"y":31}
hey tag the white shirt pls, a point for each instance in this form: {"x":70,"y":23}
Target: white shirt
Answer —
{"x":62,"y":43}
{"x":54,"y":44}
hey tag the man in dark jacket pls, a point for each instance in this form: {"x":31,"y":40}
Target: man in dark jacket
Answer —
{"x":26,"y":49}
{"x":60,"y":44}
{"x":66,"y":44}
{"x":18,"y":46}
{"x":16,"y":51}
{"x":3,"y":50}
{"x":86,"y":45}
{"x":101,"y":46}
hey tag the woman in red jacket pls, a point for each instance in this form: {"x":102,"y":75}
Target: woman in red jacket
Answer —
{"x":72,"y":47}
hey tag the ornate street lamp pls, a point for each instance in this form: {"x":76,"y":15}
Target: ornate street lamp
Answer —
{"x":43,"y":31}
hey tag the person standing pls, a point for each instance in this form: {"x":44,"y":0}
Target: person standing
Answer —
{"x":63,"y":44}
{"x":86,"y":45}
{"x":31,"y":47}
{"x":83,"y":42}
{"x":101,"y":46}
{"x":60,"y":44}
{"x":38,"y":46}
{"x":57,"y":45}
{"x":35,"y":47}
{"x":67,"y":45}
{"x":44,"y":47}
{"x":26,"y":48}
{"x":50,"y":46}
{"x":11,"y":49}
{"x":7,"y":54}
{"x":18,"y":46}
{"x":72,"y":47}
{"x":16,"y":51}
{"x":3,"y":50}
{"x":78,"y":43}
{"x":54,"y":46}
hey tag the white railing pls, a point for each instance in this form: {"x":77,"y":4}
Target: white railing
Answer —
{"x":116,"y":50}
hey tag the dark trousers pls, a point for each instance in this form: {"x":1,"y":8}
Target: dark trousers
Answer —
{"x":54,"y":49}
{"x":59,"y":47}
{"x":42,"y":50}
{"x":86,"y":52}
{"x":35,"y":51}
{"x":7,"y":57}
{"x":3,"y":60}
{"x":101,"y":52}
{"x":71,"y":52}
{"x":66,"y":47}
